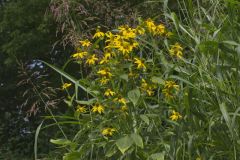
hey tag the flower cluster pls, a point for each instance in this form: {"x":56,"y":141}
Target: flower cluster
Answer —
{"x":176,"y":50}
{"x":156,"y":29}
{"x":109,"y":92}
{"x":170,"y":88}
{"x":120,"y":61}
{"x":125,"y":41}
{"x":148,"y":88}
{"x":98,"y":108}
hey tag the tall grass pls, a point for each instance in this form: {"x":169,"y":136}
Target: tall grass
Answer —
{"x":210,"y":29}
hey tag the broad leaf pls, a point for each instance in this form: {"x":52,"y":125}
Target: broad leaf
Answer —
{"x":145,"y":118}
{"x":134,"y":96}
{"x":124,"y":144}
{"x":72,"y":156}
{"x":137,"y":139}
{"x":157,"y":80}
{"x":157,"y":156}
{"x":111,"y":152}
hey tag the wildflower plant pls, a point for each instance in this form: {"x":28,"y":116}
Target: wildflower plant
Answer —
{"x":128,"y":93}
{"x":152,"y":91}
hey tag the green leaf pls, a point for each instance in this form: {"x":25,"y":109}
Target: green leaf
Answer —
{"x":61,"y":117}
{"x":137,"y":139}
{"x":226,"y":116}
{"x":233,"y":43}
{"x":145,"y":118}
{"x":124,"y":143}
{"x":72,"y":156}
{"x":134,"y":96}
{"x":157,"y":80}
{"x":190,"y":35}
{"x":111,"y":152}
{"x":70,"y":78}
{"x":60,"y":141}
{"x":183,"y":80}
{"x":175,"y":20}
{"x":157,"y":156}
{"x":238,"y":50}
{"x":36,"y":139}
{"x":124,"y":77}
{"x":68,"y":102}
{"x":238,"y":141}
{"x":153,"y":106}
{"x":89,"y":102}
{"x":63,"y":122}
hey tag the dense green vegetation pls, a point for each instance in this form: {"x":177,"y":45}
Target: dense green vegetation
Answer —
{"x":187,"y":106}
{"x":25,"y":35}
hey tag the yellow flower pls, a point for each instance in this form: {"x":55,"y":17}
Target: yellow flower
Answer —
{"x":169,"y":34}
{"x":169,"y":88}
{"x":176,"y":50}
{"x":135,"y":44}
{"x":127,"y":32}
{"x":105,"y":72}
{"x":132,"y":75}
{"x":104,"y":60}
{"x":175,"y":116}
{"x":79,"y":55}
{"x":112,"y":39}
{"x":150,"y":92}
{"x":98,"y":108}
{"x":107,"y":55}
{"x":81,"y":109}
{"x":123,"y":42}
{"x":150,"y":26}
{"x":171,"y":84}
{"x":85,"y":43}
{"x":124,"y":47}
{"x":120,"y":100}
{"x":66,"y":85}
{"x":140,"y":30}
{"x":108,"y":131}
{"x":167,"y":93}
{"x":177,"y":46}
{"x":160,"y":29}
{"x":92,"y":60}
{"x":109,"y":35}
{"x":124,"y":108}
{"x":98,"y":34}
{"x":109,"y":92}
{"x":147,"y":88}
{"x":144,"y":84}
{"x":140,"y":64}
{"x":104,"y":80}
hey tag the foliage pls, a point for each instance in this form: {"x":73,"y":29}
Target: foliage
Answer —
{"x":136,"y":91}
{"x":26,"y":34}
{"x":144,"y":93}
